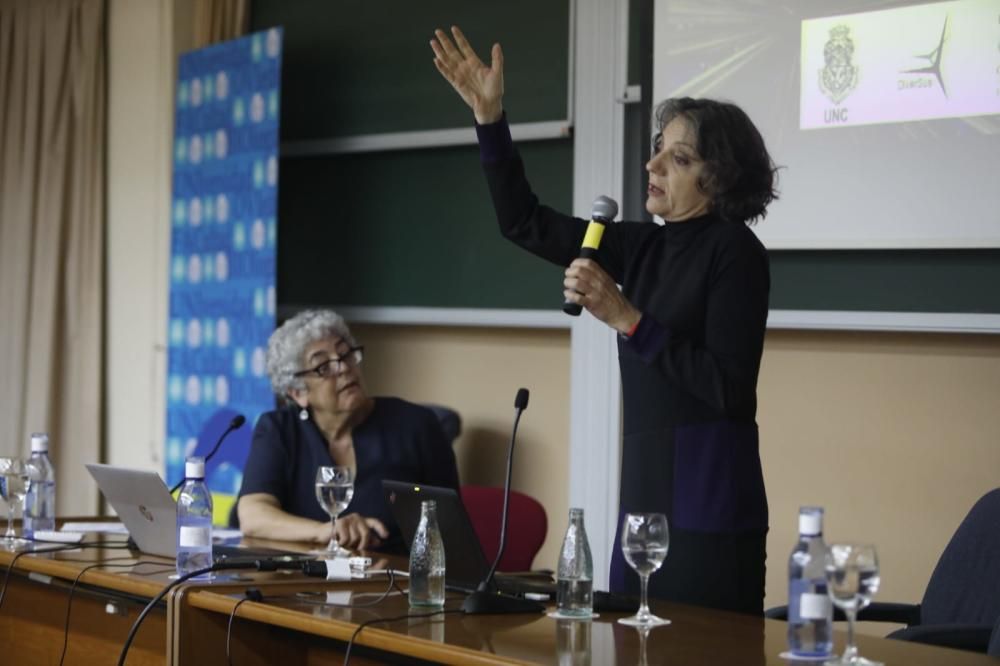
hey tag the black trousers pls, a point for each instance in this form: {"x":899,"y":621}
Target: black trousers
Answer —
{"x":723,"y":571}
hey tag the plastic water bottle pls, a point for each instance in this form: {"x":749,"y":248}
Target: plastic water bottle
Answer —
{"x":40,"y":500}
{"x":810,"y":613}
{"x":194,"y":520}
{"x":427,"y":560}
{"x":575,"y":575}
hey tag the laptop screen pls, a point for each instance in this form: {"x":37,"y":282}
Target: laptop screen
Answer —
{"x":147,"y":510}
{"x":465,"y":564}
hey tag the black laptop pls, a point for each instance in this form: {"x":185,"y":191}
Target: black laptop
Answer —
{"x":465,"y":563}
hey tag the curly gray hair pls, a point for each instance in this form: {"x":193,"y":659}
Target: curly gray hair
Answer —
{"x":288,"y":343}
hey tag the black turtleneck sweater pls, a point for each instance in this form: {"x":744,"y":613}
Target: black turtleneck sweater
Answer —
{"x":689,"y":377}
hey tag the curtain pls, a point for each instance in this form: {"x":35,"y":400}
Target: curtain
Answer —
{"x":52,"y":221}
{"x":219,"y":21}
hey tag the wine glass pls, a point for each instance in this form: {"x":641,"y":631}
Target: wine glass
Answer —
{"x":645,"y":538}
{"x":334,"y":491}
{"x":852,"y":578}
{"x":13,"y":487}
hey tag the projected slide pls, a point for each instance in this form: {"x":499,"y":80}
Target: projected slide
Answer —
{"x":939,"y":60}
{"x":884,"y":115}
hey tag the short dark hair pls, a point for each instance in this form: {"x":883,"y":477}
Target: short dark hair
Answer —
{"x":739,"y":175}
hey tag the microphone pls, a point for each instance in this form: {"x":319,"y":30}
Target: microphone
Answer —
{"x":336,"y":569}
{"x":235,"y":424}
{"x":485,"y":600}
{"x":602,"y":212}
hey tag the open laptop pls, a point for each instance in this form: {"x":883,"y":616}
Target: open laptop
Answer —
{"x":147,"y":510}
{"x":465,"y":564}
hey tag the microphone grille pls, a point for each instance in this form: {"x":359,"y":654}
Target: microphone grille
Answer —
{"x":237,"y":421}
{"x":604,"y":207}
{"x":521,"y":400}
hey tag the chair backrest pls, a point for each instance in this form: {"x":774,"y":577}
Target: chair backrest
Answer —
{"x":965,"y":585}
{"x":994,"y":647}
{"x":527,"y":525}
{"x":450,"y":421}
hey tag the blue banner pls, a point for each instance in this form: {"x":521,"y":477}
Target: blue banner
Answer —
{"x":223,"y":254}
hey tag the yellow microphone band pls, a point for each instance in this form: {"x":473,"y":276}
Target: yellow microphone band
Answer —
{"x":595,"y":230}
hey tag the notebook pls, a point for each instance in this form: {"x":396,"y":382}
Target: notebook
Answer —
{"x":465,"y":563}
{"x":149,"y":513}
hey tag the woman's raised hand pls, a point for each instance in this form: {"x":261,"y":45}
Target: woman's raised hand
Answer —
{"x":480,"y":86}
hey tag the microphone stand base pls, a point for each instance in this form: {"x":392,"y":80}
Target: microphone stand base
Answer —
{"x":493,"y":603}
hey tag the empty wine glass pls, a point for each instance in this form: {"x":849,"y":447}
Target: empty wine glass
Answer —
{"x":334,"y":491}
{"x":852,"y":578}
{"x":13,"y":487}
{"x":645,"y":538}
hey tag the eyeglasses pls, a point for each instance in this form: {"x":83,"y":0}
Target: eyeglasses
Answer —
{"x":337,"y":364}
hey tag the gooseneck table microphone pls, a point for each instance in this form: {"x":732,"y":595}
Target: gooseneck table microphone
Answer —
{"x":486,"y":600}
{"x":235,"y":424}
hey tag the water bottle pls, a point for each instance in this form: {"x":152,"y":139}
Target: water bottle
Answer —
{"x":575,"y":575}
{"x":40,"y":501}
{"x":427,"y":560}
{"x":194,"y":520}
{"x":810,"y":614}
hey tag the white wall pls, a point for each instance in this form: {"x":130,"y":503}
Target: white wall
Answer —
{"x":142,"y":47}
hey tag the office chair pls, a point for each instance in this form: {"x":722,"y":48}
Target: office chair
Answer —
{"x":962,"y":601}
{"x":527,"y":525}
{"x":993,"y":649}
{"x":450,"y":421}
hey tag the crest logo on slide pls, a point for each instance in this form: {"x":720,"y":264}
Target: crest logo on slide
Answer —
{"x":839,"y":77}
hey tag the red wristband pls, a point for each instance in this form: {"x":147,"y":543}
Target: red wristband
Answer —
{"x":631,"y":331}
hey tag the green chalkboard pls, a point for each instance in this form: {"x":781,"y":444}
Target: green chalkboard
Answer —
{"x":410,"y":227}
{"x":965,"y":281}
{"x":416,"y":228}
{"x":355,"y":67}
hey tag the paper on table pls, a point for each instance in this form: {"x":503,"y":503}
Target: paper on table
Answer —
{"x":225,"y":534}
{"x":111,"y":527}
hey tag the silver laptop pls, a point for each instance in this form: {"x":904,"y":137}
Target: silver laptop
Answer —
{"x":143,"y":504}
{"x":149,"y":513}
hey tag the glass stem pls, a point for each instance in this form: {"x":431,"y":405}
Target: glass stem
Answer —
{"x":333,"y":546}
{"x":643,"y":606}
{"x":851,"y":651}
{"x":10,"y":521}
{"x":643,"y":635}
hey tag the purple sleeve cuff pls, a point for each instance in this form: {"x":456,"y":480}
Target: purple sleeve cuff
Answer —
{"x":495,"y":142}
{"x":649,"y":338}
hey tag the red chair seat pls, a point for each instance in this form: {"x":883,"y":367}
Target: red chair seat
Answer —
{"x":527,"y":525}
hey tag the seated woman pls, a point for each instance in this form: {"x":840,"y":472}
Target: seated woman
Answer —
{"x":329,"y":419}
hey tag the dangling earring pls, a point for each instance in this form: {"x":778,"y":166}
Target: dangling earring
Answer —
{"x":304,"y":414}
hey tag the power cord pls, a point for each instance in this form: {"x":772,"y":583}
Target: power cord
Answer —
{"x":72,"y":590}
{"x":222,"y":565}
{"x":366,"y":623}
{"x":155,"y":600}
{"x":254,"y":594}
{"x":61,"y":547}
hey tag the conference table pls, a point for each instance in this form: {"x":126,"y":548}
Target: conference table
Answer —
{"x":287,"y":618}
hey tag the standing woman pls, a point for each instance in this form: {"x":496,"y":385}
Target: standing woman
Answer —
{"x":691,"y":314}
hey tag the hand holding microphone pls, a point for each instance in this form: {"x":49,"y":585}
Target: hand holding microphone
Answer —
{"x":602,"y":212}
